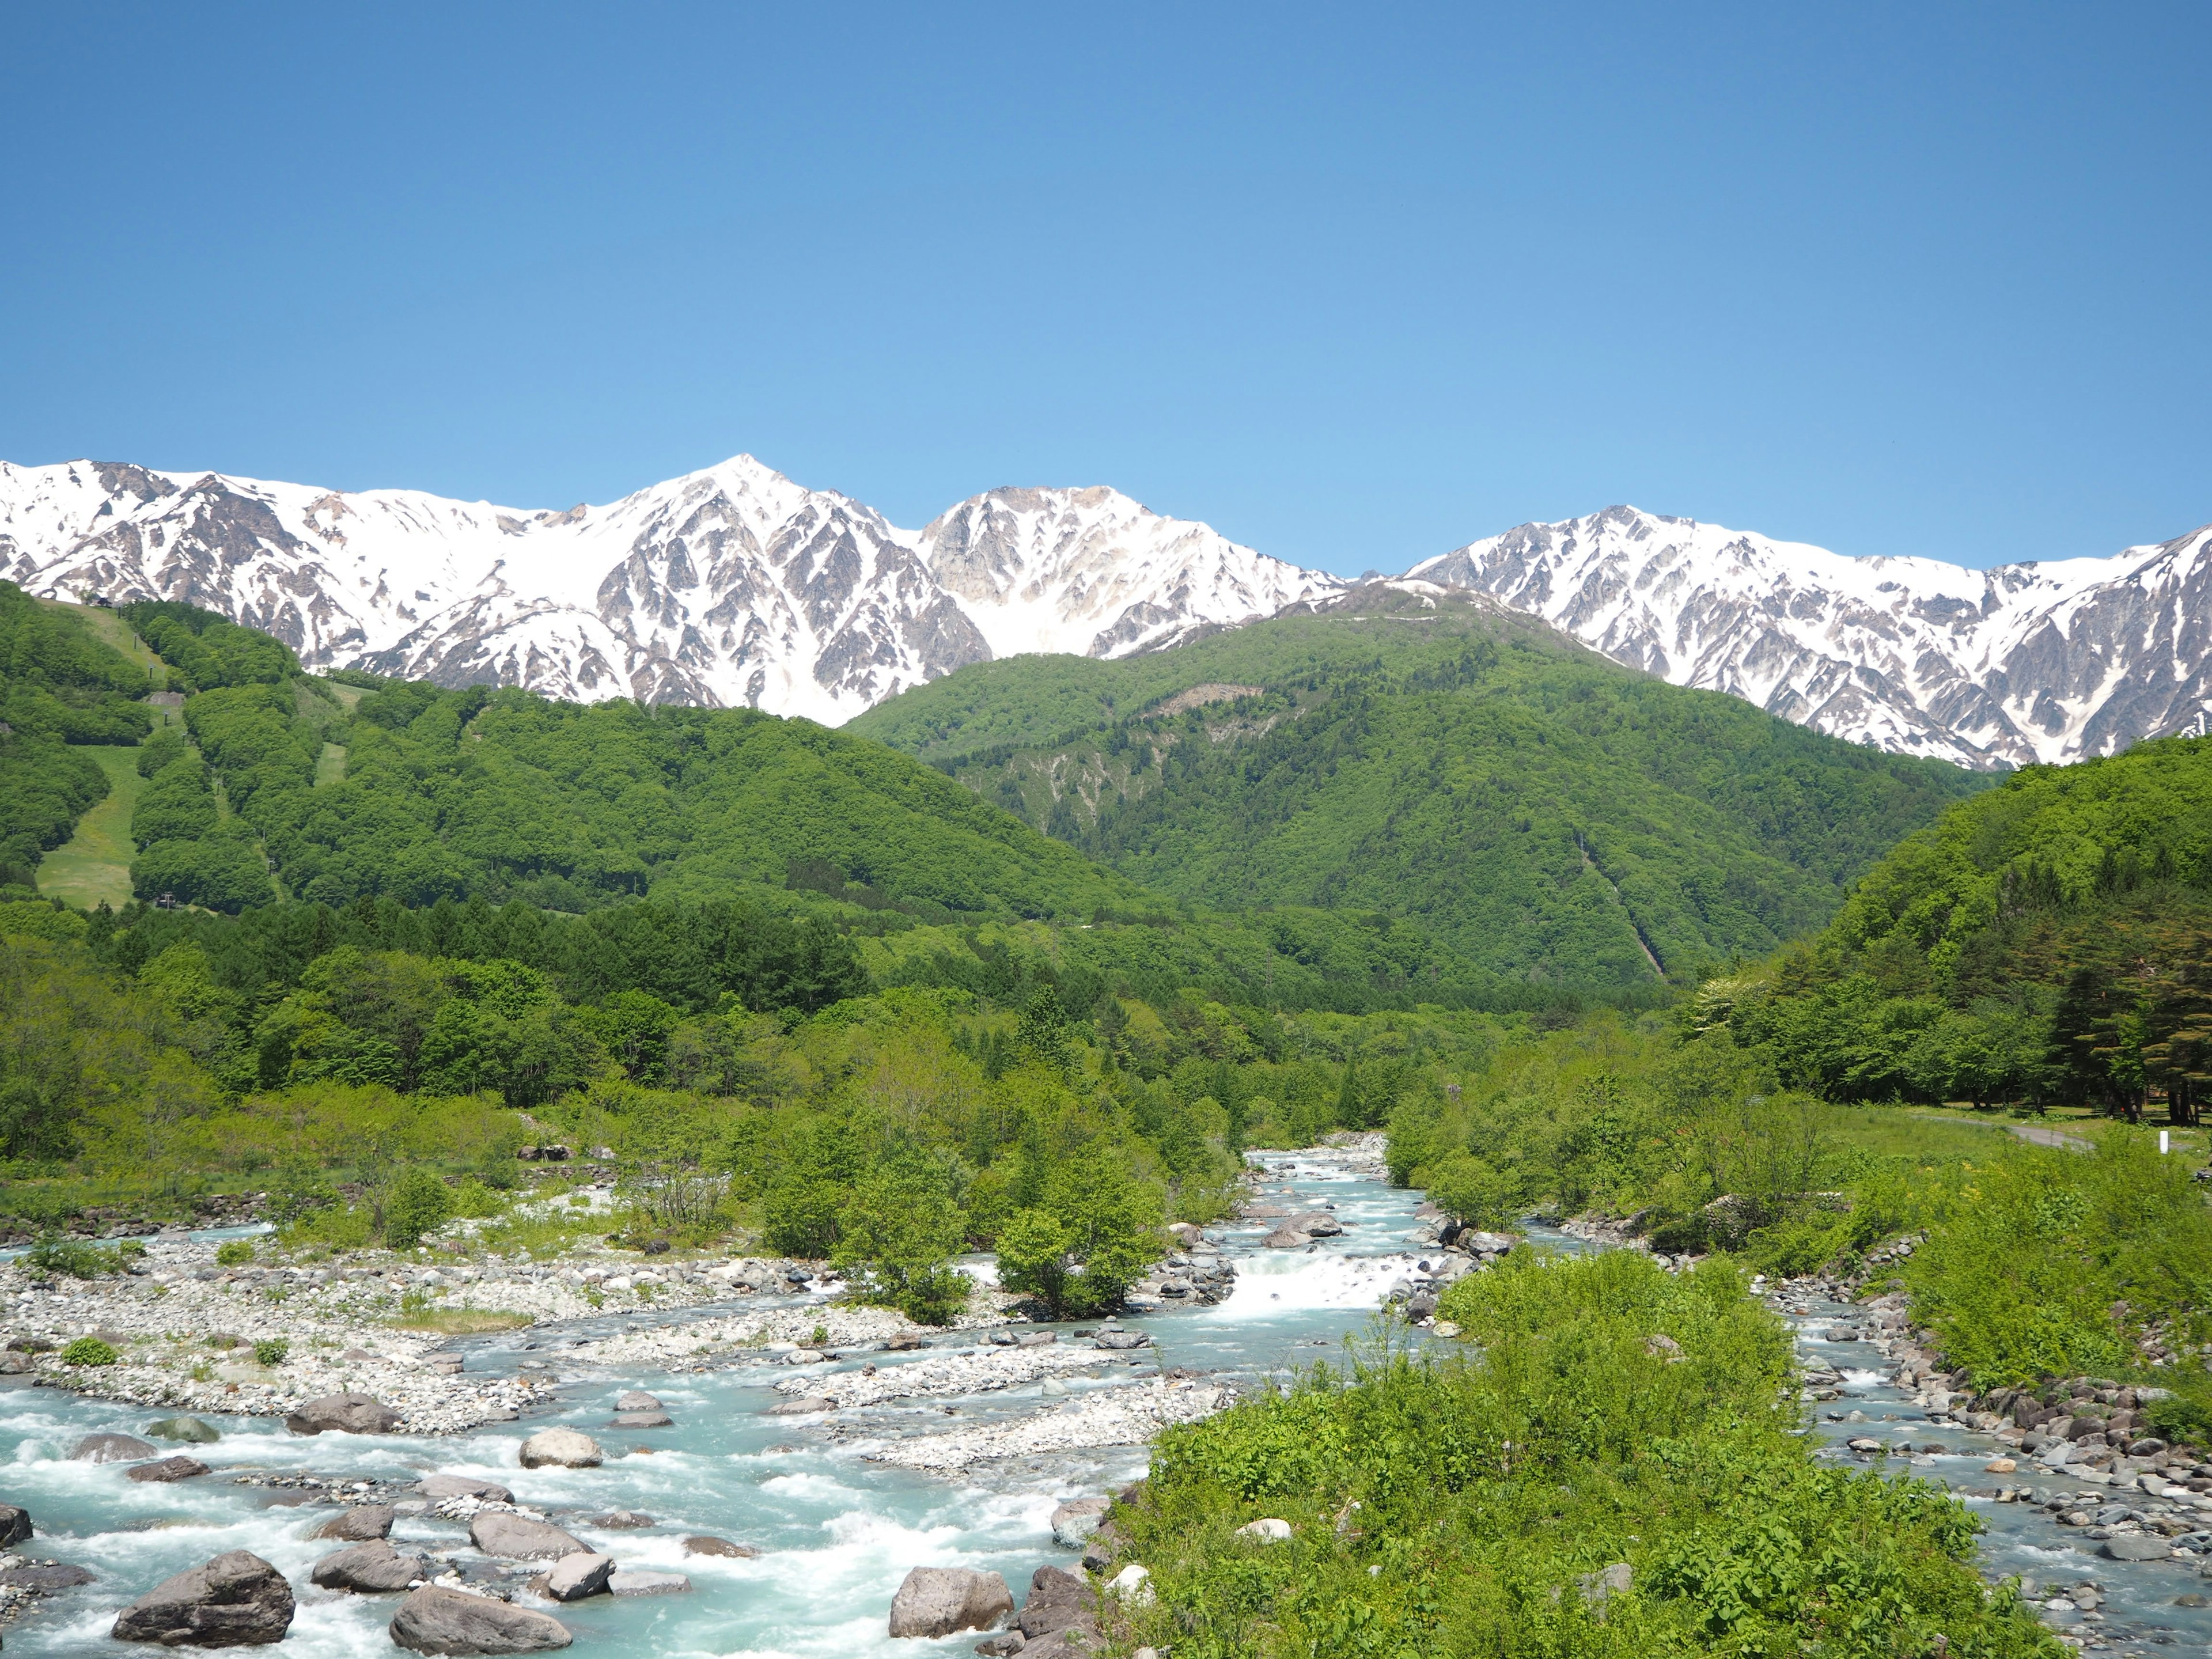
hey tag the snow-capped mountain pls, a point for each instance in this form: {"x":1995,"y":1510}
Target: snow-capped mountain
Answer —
{"x":731,"y":586}
{"x":736,"y":587}
{"x":2055,"y":661}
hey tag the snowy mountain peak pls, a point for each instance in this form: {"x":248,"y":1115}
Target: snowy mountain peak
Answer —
{"x":2022,"y":663}
{"x":1092,"y":571}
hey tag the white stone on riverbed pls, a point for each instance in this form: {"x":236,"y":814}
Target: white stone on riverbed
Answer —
{"x":1129,"y":1416}
{"x":939,"y":1376}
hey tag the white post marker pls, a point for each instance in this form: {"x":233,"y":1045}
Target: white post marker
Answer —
{"x":2164,"y":1144}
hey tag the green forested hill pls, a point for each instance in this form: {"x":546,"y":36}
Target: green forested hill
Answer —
{"x":2049,"y":939}
{"x":502,"y":794}
{"x":60,"y":686}
{"x":1534,"y":807}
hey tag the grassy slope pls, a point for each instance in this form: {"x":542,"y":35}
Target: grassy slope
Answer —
{"x":94,"y":866}
{"x":1535,"y":807}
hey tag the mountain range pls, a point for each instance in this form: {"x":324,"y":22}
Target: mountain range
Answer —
{"x":736,"y":587}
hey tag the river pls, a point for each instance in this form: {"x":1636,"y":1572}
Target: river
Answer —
{"x":838,"y":1531}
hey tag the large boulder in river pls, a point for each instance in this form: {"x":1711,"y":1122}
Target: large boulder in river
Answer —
{"x":438,"y":1487}
{"x":938,"y":1600}
{"x":15,"y":1525}
{"x":237,"y":1600}
{"x":1058,"y":1599}
{"x":343,"y":1413}
{"x":517,"y":1537}
{"x":434,"y":1620}
{"x":188,"y":1428}
{"x":112,"y":1448}
{"x":180,"y":1467}
{"x":565,"y":1448}
{"x":358,"y":1524}
{"x":372,"y":1569}
{"x":575,"y":1577}
{"x":1073,"y":1521}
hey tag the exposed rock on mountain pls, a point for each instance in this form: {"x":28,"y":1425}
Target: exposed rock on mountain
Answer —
{"x":2025,"y":662}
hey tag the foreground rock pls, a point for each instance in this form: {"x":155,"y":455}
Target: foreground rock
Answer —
{"x":575,"y":1577}
{"x":190,"y":1430}
{"x":636,"y":1400}
{"x":371,"y":1568}
{"x":701,"y":1544}
{"x":641,"y":1420}
{"x":112,"y":1448}
{"x":940,"y":1601}
{"x":517,"y":1538}
{"x":434,"y":1620}
{"x":1073,"y":1521}
{"x":237,"y":1600}
{"x":180,"y":1467}
{"x":560,"y":1447}
{"x":440,"y":1488}
{"x":15,"y":1525}
{"x":1058,"y":1600}
{"x":343,"y":1413}
{"x":358,"y":1524}
{"x":638,"y":1581}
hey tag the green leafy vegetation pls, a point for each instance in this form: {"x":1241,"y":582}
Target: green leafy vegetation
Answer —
{"x":1607,"y":1416}
{"x":203,"y":650}
{"x":88,"y":1351}
{"x":1533,"y":809}
{"x":2045,"y":943}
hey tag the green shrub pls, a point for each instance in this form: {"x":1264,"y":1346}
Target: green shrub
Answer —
{"x":273,"y":1351}
{"x":234,"y":1253}
{"x":88,"y":1351}
{"x":419,"y":1202}
{"x":1462,"y":1505}
{"x":72,"y":1258}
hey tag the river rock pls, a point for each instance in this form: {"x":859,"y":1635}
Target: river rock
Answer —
{"x":343,"y":1413}
{"x":636,"y":1400}
{"x":1077,"y":1519}
{"x":563,"y":1448}
{"x":180,"y":1467}
{"x":237,"y":1600}
{"x":1121,"y":1339}
{"x":2133,"y":1546}
{"x":638,"y":1581}
{"x":1058,"y":1600}
{"x":622,"y":1520}
{"x":701,"y":1544}
{"x":1286,"y":1238}
{"x":1266,"y":1531}
{"x":641,"y":1420}
{"x":370,"y":1569}
{"x":15,"y":1525}
{"x":575,"y":1577}
{"x":358,"y":1524}
{"x":440,"y":1488}
{"x":435,"y":1619}
{"x":802,"y":1408}
{"x":938,"y":1600}
{"x":1132,"y":1586}
{"x":517,"y":1537}
{"x":190,"y":1430}
{"x":45,"y":1576}
{"x":112,"y":1448}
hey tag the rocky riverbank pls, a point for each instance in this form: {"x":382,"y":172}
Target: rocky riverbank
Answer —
{"x":188,"y":1332}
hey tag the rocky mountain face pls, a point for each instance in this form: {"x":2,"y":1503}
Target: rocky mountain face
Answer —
{"x":2055,"y":661}
{"x":736,"y":587}
{"x":729,"y":587}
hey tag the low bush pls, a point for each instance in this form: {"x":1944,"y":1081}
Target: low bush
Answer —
{"x":273,"y":1351}
{"x":234,"y":1253}
{"x":72,"y":1258}
{"x":88,"y":1351}
{"x":1470,"y":1504}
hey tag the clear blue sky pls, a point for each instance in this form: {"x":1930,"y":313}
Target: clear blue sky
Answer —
{"x":1355,"y":284}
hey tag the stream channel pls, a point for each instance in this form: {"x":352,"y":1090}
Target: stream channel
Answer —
{"x":836,"y":1532}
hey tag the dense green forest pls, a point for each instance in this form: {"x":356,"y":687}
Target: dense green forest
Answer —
{"x":2048,"y":941}
{"x":1536,"y":809}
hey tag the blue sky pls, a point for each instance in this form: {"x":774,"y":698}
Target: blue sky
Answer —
{"x":1354,"y":284}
